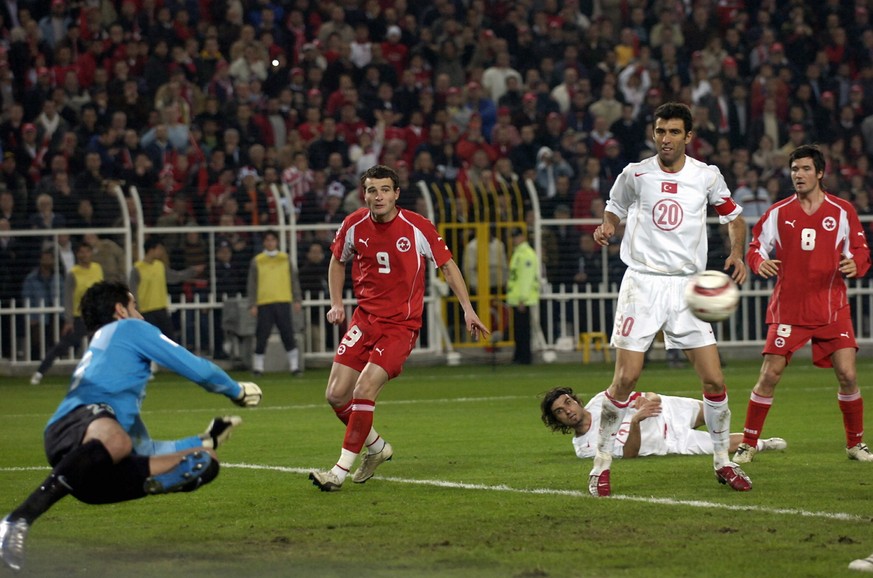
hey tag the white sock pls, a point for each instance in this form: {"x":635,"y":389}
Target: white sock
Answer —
{"x":294,"y":359}
{"x":374,"y":442}
{"x":258,"y":362}
{"x":611,"y":416}
{"x":717,"y":416}
{"x":345,"y":463}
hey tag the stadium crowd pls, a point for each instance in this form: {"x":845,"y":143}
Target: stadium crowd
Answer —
{"x":200,"y":105}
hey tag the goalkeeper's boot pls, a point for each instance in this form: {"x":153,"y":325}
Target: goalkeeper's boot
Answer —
{"x":732,"y":475}
{"x":194,"y":470}
{"x":863,"y":565}
{"x":369,"y":463}
{"x":860,"y":452}
{"x":744,"y":454}
{"x":12,"y":535}
{"x":326,"y":481}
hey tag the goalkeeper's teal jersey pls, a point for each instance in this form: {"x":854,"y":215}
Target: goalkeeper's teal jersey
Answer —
{"x":116,"y":369}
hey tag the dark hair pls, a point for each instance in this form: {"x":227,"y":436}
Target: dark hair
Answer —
{"x":98,"y":303}
{"x":546,"y":408}
{"x":671,"y":110}
{"x":271,"y":233}
{"x":811,"y":152}
{"x":151,"y":243}
{"x":381,"y":172}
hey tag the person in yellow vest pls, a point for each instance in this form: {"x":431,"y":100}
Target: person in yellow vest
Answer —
{"x":79,"y":278}
{"x":273,"y":288}
{"x":523,"y":293}
{"x":148,"y":283}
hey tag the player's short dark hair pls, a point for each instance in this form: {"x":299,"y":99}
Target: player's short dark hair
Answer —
{"x":271,"y":233}
{"x":98,"y":303}
{"x":546,"y":408}
{"x":809,"y":151}
{"x":381,"y":172}
{"x":671,"y":110}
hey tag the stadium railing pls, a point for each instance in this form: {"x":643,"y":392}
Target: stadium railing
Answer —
{"x":565,"y":310}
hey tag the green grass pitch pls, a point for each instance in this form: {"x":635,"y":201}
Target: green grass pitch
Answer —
{"x":477,"y":487}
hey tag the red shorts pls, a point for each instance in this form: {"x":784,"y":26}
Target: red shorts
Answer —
{"x":786,"y":339}
{"x":384,"y":344}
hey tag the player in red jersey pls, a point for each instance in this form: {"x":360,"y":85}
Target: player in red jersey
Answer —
{"x":387,"y":247}
{"x":809,"y":242}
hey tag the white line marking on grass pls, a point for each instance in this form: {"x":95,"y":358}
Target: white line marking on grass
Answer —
{"x":548,"y":492}
{"x":575,"y":493}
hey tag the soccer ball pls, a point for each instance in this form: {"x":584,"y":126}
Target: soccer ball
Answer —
{"x":712,"y":296}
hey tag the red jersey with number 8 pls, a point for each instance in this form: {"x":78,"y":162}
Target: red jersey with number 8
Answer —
{"x":810,"y":289}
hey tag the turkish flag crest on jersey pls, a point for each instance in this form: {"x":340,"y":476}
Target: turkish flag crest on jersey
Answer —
{"x":668,"y":187}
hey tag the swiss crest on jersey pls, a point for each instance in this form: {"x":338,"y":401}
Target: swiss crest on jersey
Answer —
{"x":669,"y":187}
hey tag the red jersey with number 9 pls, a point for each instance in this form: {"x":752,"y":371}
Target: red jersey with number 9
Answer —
{"x":388,"y":262}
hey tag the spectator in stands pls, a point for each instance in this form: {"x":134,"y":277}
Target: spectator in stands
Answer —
{"x":496,"y":266}
{"x":14,"y":216}
{"x":148,"y":283}
{"x":109,"y":255}
{"x":78,"y":279}
{"x":550,"y":165}
{"x":313,"y":284}
{"x":253,"y":202}
{"x":45,"y":217}
{"x":752,"y":196}
{"x":43,"y":287}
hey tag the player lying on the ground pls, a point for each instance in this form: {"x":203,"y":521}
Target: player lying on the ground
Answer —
{"x":655,"y":425}
{"x":97,"y":443}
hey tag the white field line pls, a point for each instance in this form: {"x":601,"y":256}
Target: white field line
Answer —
{"x":842,"y":516}
{"x":576,"y":493}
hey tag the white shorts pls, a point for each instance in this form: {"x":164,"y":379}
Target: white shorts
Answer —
{"x":680,"y":414}
{"x":648,"y":304}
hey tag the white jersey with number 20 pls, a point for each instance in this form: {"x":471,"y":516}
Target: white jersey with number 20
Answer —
{"x":665,"y":214}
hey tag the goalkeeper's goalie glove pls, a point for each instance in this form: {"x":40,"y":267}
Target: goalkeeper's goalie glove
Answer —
{"x":218,"y":431}
{"x":250,"y":396}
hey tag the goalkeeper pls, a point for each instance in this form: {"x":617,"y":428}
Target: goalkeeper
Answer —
{"x":97,"y":443}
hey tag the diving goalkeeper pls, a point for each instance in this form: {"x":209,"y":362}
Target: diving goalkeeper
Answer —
{"x":96,"y":442}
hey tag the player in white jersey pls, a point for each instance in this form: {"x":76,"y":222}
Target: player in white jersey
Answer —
{"x":663,"y":201}
{"x":655,"y":425}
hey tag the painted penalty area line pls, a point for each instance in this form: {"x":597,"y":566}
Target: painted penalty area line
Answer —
{"x":842,"y":516}
{"x":575,"y":493}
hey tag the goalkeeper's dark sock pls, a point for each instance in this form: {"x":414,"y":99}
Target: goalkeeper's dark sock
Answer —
{"x":69,"y":472}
